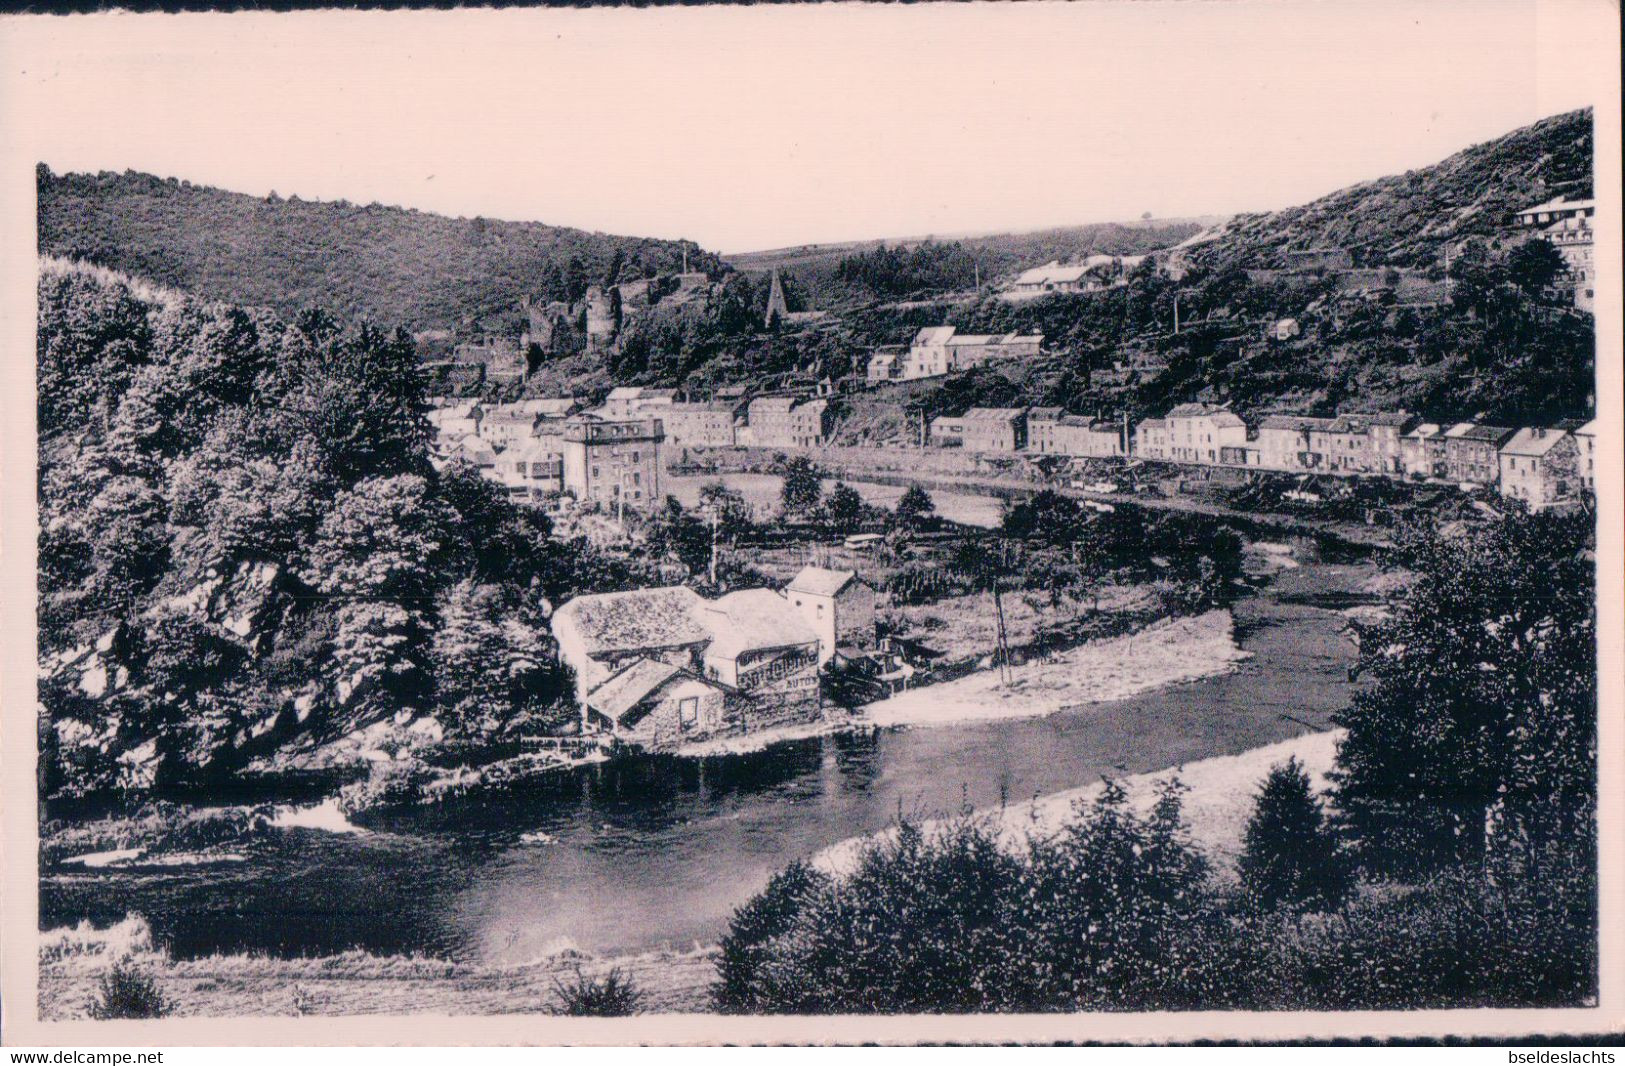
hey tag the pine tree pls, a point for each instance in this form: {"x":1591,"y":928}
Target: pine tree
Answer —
{"x":1290,"y":854}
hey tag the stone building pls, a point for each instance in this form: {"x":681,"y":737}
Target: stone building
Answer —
{"x":789,"y":422}
{"x":614,"y":464}
{"x":1472,"y":453}
{"x":1421,"y":451}
{"x":1041,"y":425}
{"x":995,"y":429}
{"x":1540,"y":467}
{"x":1196,"y":432}
{"x":1151,"y":439}
{"x":838,"y":606}
{"x":700,"y":425}
{"x":662,"y":667}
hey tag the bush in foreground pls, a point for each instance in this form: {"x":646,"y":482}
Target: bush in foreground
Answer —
{"x":128,"y":991}
{"x":613,"y":995}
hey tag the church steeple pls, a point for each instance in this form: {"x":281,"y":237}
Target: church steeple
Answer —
{"x":776,"y":304}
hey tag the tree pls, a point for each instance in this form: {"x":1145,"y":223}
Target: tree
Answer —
{"x":746,"y":947}
{"x":844,"y":509}
{"x":378,"y":539}
{"x":915,"y":509}
{"x":728,"y":509}
{"x":1483,"y":698}
{"x":1534,"y":265}
{"x":1289,"y":853}
{"x":802,"y":488}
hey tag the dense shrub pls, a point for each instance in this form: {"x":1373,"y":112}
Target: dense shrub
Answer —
{"x":128,"y":991}
{"x":1290,"y":855}
{"x":613,"y":995}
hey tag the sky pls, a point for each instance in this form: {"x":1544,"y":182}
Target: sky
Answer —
{"x":760,"y":127}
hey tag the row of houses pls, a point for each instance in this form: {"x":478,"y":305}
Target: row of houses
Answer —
{"x":1538,"y":465}
{"x":1037,"y":430}
{"x":939,"y":350}
{"x":662,"y":667}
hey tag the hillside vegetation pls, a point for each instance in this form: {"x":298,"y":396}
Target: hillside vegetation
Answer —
{"x":245,"y":552}
{"x":1406,"y":219}
{"x":388,"y":265}
{"x":833,"y":275}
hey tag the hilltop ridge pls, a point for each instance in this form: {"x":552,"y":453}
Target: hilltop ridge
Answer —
{"x":392,"y":266}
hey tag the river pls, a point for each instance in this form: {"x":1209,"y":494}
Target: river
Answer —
{"x":634,"y":855}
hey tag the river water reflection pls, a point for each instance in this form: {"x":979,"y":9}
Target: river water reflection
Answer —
{"x":637,"y":854}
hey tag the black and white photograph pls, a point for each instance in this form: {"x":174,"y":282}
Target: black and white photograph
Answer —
{"x":590,"y":521}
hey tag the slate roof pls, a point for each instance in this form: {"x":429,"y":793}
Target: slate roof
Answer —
{"x":630,"y":687}
{"x":752,"y":619}
{"x":933,"y":335}
{"x":993,"y":414}
{"x":1297,"y":423}
{"x":627,"y":621}
{"x":1045,"y":414}
{"x":818,"y":581}
{"x":1496,"y":435}
{"x":1532,"y":442}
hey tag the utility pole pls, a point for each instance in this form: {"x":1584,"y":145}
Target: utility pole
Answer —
{"x":712,"y":570}
{"x":1176,"y":311}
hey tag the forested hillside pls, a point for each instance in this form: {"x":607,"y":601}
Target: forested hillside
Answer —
{"x":245,"y":552}
{"x":835,"y":275}
{"x":387,"y":265}
{"x":1405,"y":219}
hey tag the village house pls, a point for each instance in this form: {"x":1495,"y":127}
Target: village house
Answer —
{"x":1197,"y":431}
{"x":475,"y":452}
{"x":1472,"y":453}
{"x":928,"y":356}
{"x":1572,"y":239}
{"x":883,"y":364}
{"x":1540,"y":467}
{"x":613,"y":464}
{"x":839,"y":606}
{"x":763,"y":647}
{"x":947,"y":431}
{"x":1053,"y":277}
{"x":657,"y":706}
{"x":661,"y":667}
{"x":1284,"y":443}
{"x":1151,"y":439}
{"x":700,"y":425}
{"x":789,"y":422}
{"x":1041,"y":424}
{"x":1240,"y":455}
{"x":995,"y":429}
{"x":1386,"y":430}
{"x":1344,"y":444}
{"x":966,"y":351}
{"x":1421,"y":451}
{"x":1087,"y":438}
{"x":599,"y":635}
{"x":1556,"y":210}
{"x":1585,"y":440}
{"x":532,"y":469}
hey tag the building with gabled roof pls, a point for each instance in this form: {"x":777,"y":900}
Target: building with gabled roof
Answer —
{"x":599,"y":634}
{"x":1540,"y":467}
{"x":995,"y":429}
{"x":1472,"y":452}
{"x":838,"y":605}
{"x":762,"y":646}
{"x":658,"y":706}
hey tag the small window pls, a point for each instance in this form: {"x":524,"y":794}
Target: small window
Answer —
{"x":688,"y":712}
{"x":595,"y":471}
